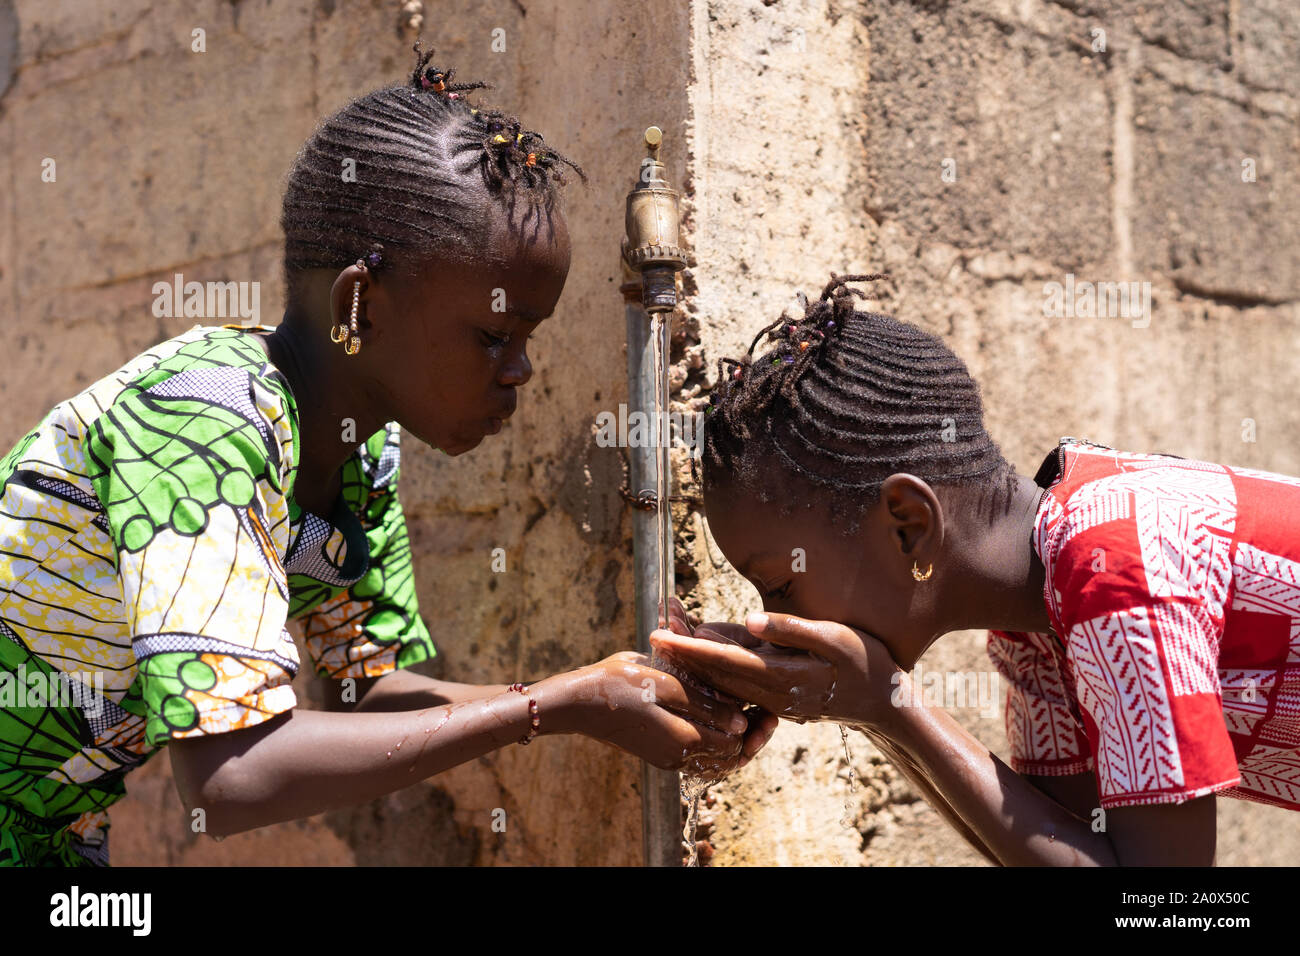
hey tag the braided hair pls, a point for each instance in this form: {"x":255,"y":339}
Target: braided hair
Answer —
{"x":389,"y":176}
{"x":844,"y":400}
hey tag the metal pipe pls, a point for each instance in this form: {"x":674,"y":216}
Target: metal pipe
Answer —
{"x":661,"y":807}
{"x":651,"y":257}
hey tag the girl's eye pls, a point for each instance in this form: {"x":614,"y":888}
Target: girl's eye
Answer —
{"x":780,"y":593}
{"x":496,"y":340}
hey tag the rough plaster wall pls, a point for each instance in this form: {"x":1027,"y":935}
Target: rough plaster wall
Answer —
{"x":816,"y":136}
{"x":171,"y":161}
{"x":1113,"y":166}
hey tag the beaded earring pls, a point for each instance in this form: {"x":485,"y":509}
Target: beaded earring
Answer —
{"x":349,"y":333}
{"x":354,"y":342}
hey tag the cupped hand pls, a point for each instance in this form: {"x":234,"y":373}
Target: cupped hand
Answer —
{"x":626,"y":702}
{"x":680,"y":621}
{"x":762,"y":722}
{"x":790,"y":666}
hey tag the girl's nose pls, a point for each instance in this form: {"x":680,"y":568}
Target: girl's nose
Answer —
{"x":517,"y":371}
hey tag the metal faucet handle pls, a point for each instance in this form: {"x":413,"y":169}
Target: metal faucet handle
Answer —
{"x":652,"y":225}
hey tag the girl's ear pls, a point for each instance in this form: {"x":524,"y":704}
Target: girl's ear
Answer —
{"x":914,"y":517}
{"x":343,"y":292}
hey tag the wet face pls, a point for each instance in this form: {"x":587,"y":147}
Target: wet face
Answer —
{"x":802,"y":565}
{"x":452,"y":372}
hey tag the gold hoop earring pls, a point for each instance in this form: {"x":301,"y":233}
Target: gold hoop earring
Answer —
{"x":920,"y":575}
{"x":339,"y":332}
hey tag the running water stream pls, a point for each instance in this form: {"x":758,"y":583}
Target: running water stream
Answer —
{"x":696,"y":779}
{"x":847,"y":820}
{"x":659,"y":330}
{"x":698,"y":776}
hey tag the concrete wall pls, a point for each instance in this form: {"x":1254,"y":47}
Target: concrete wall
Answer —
{"x":820,"y":135}
{"x":808,"y":136}
{"x":170,"y":160}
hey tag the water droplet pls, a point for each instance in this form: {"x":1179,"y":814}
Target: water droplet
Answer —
{"x":847,"y":821}
{"x":390,"y":753}
{"x":693,"y":789}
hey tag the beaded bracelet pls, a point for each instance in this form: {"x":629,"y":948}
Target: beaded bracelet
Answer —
{"x":532,"y":714}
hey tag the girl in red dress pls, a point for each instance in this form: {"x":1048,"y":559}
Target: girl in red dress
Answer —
{"x":1145,"y":609}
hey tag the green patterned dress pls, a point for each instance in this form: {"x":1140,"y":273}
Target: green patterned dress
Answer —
{"x":151,"y":553}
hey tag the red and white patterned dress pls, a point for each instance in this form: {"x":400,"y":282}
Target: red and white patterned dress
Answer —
{"x":1173,"y":588}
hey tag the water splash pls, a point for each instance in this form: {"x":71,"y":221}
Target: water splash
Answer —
{"x":847,"y":819}
{"x":693,"y":789}
{"x":701,"y":771}
{"x":428,"y":733}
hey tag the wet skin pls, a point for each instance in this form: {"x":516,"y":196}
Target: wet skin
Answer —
{"x":983,"y":571}
{"x":838,"y":639}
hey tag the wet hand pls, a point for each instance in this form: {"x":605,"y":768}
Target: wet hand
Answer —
{"x":679,"y":620}
{"x":789,"y":666}
{"x":654,"y":715}
{"x":762,"y":723}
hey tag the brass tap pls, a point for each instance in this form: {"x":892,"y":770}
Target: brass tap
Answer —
{"x":652,"y":246}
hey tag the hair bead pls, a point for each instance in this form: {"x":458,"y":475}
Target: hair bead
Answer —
{"x":405,"y":136}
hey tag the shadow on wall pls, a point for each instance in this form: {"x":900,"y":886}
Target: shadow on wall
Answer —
{"x":8,"y":44}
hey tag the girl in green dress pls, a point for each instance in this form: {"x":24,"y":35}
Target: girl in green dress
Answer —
{"x":158,"y":529}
